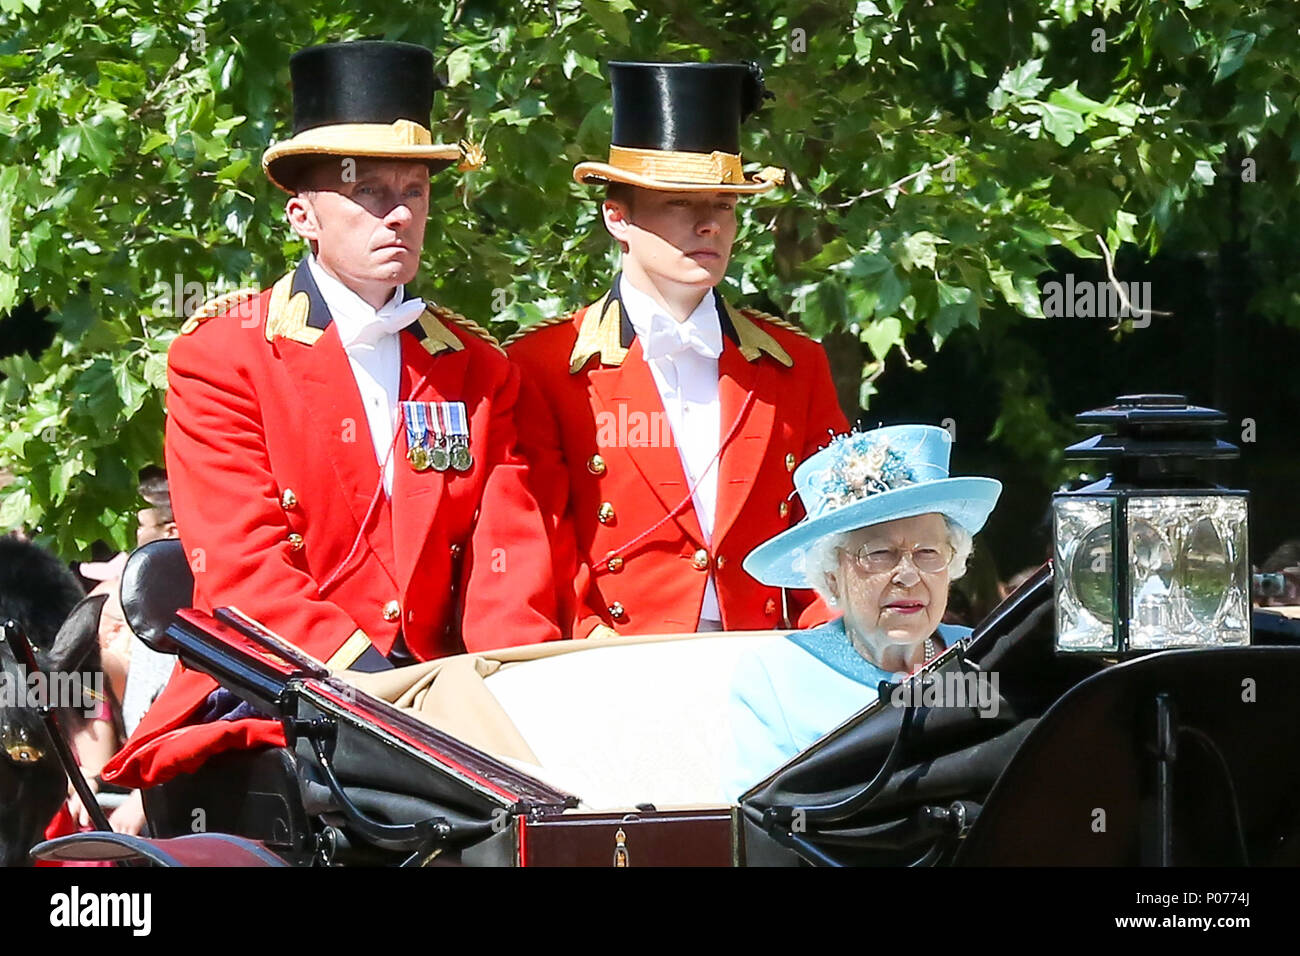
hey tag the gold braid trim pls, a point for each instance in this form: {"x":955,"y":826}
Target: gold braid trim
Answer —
{"x":215,"y":307}
{"x":544,"y":324}
{"x":778,"y":321}
{"x":287,"y":312}
{"x":447,"y":315}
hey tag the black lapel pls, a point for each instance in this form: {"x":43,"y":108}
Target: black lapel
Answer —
{"x":724,"y":318}
{"x":319,"y":315}
{"x":627,"y":333}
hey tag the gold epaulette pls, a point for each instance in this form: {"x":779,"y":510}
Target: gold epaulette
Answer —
{"x":215,"y":307}
{"x":447,"y":315}
{"x":544,"y":324}
{"x":777,"y":321}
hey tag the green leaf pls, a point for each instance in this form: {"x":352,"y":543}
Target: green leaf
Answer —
{"x":891,"y":291}
{"x":459,"y":65}
{"x":609,"y":17}
{"x":1023,"y":81}
{"x":833,"y":253}
{"x":155,"y":370}
{"x":231,"y":172}
{"x":75,"y":317}
{"x":13,"y":508}
{"x":98,"y":141}
{"x":1233,"y":54}
{"x":881,"y":336}
{"x":957,"y":306}
{"x":865,"y":265}
{"x":1069,"y":98}
{"x":1062,"y":123}
{"x":918,"y":250}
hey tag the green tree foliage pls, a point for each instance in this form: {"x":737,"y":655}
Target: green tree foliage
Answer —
{"x":938,"y":151}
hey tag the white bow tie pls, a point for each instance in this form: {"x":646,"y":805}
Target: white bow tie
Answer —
{"x":668,"y":337}
{"x":389,"y":320}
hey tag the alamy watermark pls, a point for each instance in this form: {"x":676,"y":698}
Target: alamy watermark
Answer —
{"x":633,"y":429}
{"x":180,"y":298}
{"x":78,"y":909}
{"x":74,"y":690}
{"x":971,"y":690}
{"x":1083,"y":299}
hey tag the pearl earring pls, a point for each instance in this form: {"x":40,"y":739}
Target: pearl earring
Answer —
{"x":832,"y":600}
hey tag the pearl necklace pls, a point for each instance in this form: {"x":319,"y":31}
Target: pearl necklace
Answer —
{"x":931,"y":651}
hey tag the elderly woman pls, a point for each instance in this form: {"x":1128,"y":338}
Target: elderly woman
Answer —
{"x":886,"y":532}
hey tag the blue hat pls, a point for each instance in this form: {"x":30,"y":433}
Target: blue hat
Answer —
{"x":865,"y":478}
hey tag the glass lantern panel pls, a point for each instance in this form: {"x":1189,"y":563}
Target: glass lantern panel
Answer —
{"x":1084,"y":573}
{"x":1188,"y":572}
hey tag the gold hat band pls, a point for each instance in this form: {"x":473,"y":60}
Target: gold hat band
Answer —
{"x":709,"y":169}
{"x":403,"y":139}
{"x":342,"y":135}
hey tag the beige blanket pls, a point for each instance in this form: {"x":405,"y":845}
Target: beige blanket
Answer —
{"x":450,"y":693}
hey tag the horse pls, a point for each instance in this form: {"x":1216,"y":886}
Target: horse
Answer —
{"x":44,"y":598}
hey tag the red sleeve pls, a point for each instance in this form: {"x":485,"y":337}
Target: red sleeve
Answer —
{"x":825,"y":419}
{"x":224,"y":498}
{"x":539,"y":440}
{"x":508,"y":585}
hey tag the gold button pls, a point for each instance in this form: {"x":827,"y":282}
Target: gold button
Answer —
{"x":615,"y":563}
{"x":789,"y":462}
{"x":606,"y":513}
{"x":295,"y":542}
{"x":288,"y":500}
{"x":784,"y":509}
{"x":721,"y":562}
{"x":455,"y":550}
{"x":392,"y":611}
{"x":596,"y":465}
{"x":770,"y":607}
{"x":616,"y":611}
{"x":700,"y":560}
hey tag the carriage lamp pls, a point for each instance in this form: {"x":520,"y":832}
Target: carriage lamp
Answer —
{"x":1151,"y":556}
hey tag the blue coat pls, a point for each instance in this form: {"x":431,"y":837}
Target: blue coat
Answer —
{"x":791,"y":690}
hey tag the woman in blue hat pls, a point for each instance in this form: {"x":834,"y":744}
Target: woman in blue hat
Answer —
{"x":887,"y":530}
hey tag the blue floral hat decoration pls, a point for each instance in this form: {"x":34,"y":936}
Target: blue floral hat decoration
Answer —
{"x":865,"y":478}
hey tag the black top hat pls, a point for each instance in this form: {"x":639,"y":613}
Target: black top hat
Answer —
{"x":677,"y":127}
{"x":370,"y":98}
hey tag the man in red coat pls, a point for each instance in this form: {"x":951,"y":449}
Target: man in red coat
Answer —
{"x":342,"y":456}
{"x":662,"y":423}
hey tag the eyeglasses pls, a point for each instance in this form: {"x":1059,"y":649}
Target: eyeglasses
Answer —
{"x":874,"y":560}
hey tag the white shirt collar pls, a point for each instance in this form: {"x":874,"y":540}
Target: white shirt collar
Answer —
{"x":351,"y":313}
{"x":701,"y":330}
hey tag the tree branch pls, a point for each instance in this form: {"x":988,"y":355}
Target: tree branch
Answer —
{"x":932,"y":167}
{"x":1119,"y":286}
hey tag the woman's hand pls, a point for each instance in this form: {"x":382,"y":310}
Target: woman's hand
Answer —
{"x":129,"y":817}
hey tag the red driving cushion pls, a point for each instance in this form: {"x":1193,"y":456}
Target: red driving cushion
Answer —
{"x":185,"y":749}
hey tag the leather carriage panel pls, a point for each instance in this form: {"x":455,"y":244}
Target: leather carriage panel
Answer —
{"x":703,"y":837}
{"x":251,"y":793}
{"x":1095,"y":750}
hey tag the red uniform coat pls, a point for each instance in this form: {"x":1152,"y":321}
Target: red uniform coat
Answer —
{"x":277,"y":496}
{"x":610,"y":477}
